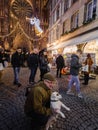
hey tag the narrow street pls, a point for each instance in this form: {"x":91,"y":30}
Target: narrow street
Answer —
{"x":83,"y":114}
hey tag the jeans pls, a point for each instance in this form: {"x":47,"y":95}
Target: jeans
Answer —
{"x":74,"y":79}
{"x":16,"y":74}
{"x":32,"y":73}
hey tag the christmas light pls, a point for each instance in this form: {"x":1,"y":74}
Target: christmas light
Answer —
{"x":2,"y":36}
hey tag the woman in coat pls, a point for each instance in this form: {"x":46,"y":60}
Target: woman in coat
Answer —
{"x":88,"y":62}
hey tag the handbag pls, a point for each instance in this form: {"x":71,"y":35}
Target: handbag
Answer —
{"x":85,"y":68}
{"x":1,"y":66}
{"x":63,"y":71}
{"x":5,"y":64}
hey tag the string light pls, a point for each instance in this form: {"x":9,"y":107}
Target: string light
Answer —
{"x":18,"y":25}
{"x":2,"y":36}
{"x":37,"y":28}
{"x":33,"y":39}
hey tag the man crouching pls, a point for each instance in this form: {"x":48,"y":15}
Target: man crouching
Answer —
{"x":37,"y":104}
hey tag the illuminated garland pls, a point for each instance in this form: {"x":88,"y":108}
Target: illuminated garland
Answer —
{"x":33,"y":39}
{"x":2,"y":36}
{"x":18,"y":25}
{"x":21,"y":28}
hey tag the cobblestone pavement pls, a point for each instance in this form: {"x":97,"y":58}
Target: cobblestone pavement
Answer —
{"x":83,"y":114}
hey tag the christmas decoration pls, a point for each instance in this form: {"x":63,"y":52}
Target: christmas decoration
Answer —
{"x":36,"y":22}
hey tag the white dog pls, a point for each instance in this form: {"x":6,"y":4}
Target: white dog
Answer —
{"x":56,"y":105}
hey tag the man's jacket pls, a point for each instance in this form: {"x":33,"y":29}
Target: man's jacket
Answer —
{"x":38,"y":100}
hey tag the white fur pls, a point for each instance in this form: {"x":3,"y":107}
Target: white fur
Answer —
{"x":56,"y":105}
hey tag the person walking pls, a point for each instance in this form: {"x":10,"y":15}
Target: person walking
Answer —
{"x":88,"y":62}
{"x":60,"y":63}
{"x":33,"y":62}
{"x":16,"y":61}
{"x":74,"y":72}
{"x":37,"y":104}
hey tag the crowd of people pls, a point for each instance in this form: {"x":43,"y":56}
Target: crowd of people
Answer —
{"x":4,"y":59}
{"x":37,"y":105}
{"x":33,"y":60}
{"x":38,"y":59}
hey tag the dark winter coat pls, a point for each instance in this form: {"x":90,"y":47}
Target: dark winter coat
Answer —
{"x":16,"y":59}
{"x":60,"y":61}
{"x":33,"y":60}
{"x":43,"y":62}
{"x":75,"y":65}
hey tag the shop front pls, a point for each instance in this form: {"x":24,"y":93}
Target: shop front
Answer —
{"x":92,"y":47}
{"x":87,"y":41}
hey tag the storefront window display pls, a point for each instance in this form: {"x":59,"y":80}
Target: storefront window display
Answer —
{"x":92,"y":47}
{"x":70,"y":49}
{"x":67,"y":54}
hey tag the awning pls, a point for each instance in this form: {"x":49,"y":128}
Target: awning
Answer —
{"x":77,"y":40}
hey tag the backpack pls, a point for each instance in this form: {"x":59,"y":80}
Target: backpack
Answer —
{"x":28,"y":89}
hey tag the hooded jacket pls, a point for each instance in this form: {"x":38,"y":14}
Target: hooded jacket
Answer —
{"x":75,"y":65}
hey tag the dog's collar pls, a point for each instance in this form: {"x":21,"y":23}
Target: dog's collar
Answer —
{"x":54,"y":100}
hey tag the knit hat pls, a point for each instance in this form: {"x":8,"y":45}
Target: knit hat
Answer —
{"x":49,"y":77}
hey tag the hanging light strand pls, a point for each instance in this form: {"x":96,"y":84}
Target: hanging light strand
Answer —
{"x":2,"y":36}
{"x":18,"y":25}
{"x":33,"y":39}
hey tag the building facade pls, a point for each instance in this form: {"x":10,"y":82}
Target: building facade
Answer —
{"x":41,"y":11}
{"x":4,"y":18}
{"x":13,"y":15}
{"x":73,"y":24}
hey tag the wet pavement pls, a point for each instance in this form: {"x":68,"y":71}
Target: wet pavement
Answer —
{"x":83,"y":114}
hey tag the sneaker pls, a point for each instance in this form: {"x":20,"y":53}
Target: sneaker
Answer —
{"x":80,"y":95}
{"x":69,"y":92}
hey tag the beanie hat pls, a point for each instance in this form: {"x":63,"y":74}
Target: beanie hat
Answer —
{"x":49,"y":77}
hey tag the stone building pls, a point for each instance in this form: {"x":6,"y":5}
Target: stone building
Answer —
{"x":4,"y":19}
{"x":13,"y":22}
{"x":73,"y":24}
